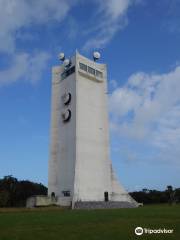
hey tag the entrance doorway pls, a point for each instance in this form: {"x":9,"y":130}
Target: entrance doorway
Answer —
{"x":106,"y":197}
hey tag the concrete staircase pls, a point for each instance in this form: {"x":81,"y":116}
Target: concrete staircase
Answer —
{"x":103,"y":205}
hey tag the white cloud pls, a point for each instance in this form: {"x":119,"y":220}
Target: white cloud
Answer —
{"x":16,"y":14}
{"x":25,"y":67}
{"x":113,"y":9}
{"x":111,"y":17}
{"x":147,"y":109}
{"x":113,"y":84}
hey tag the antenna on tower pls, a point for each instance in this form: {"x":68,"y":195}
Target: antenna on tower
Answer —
{"x":61,"y":56}
{"x":96,"y":56}
{"x":67,"y":63}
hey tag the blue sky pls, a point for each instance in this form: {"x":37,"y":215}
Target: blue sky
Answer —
{"x":138,"y":39}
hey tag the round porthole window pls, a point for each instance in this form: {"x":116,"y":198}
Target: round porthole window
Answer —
{"x":66,"y":115}
{"x":66,"y":98}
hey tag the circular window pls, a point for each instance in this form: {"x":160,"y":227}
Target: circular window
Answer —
{"x":66,"y":115}
{"x":66,"y":98}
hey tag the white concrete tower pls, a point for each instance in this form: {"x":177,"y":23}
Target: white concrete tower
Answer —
{"x":80,"y":169}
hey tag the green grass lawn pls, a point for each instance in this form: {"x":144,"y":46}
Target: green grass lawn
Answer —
{"x":55,"y":223}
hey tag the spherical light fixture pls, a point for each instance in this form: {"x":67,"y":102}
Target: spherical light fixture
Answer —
{"x":67,"y":63}
{"x":96,"y":56}
{"x":61,"y":56}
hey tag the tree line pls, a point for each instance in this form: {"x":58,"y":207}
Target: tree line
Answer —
{"x":147,"y":196}
{"x":13,"y":193}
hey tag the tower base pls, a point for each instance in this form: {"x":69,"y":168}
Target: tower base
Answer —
{"x":104,"y":205}
{"x":45,"y":201}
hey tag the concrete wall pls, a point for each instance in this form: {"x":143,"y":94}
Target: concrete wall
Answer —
{"x":44,"y":201}
{"x":63,"y":135}
{"x":39,"y":201}
{"x":55,"y":132}
{"x":92,"y":173}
